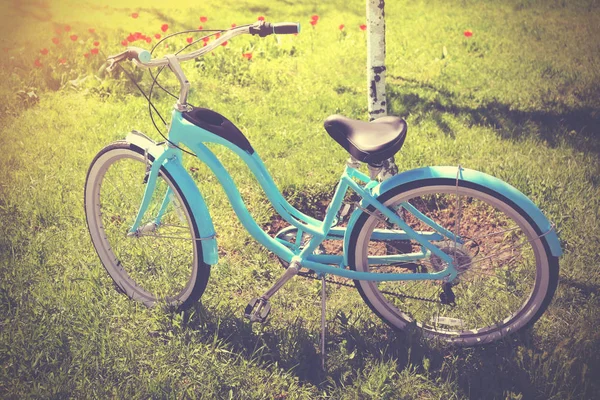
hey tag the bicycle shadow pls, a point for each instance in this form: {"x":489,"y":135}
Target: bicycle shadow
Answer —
{"x":296,"y":348}
{"x":490,"y":371}
{"x":577,"y":127}
{"x":353,"y":345}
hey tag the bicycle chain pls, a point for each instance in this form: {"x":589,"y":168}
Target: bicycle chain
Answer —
{"x":311,"y":275}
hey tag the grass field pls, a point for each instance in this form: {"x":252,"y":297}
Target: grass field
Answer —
{"x":519,"y":99}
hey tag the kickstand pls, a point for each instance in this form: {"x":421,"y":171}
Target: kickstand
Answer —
{"x":323,"y":322}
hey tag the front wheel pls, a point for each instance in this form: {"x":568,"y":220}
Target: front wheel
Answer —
{"x":163,"y":263}
{"x":506,"y":274}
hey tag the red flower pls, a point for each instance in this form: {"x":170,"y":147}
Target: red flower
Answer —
{"x":233,"y":25}
{"x":203,"y":19}
{"x":247,"y":56}
{"x":96,"y":43}
{"x":261,"y":18}
{"x":363,"y":27}
{"x":137,"y":35}
{"x":206,"y":39}
{"x":204,"y":45}
{"x":37,"y":63}
{"x":224,"y":43}
{"x":55,"y":40}
{"x":314,"y":22}
{"x":58,"y":31}
{"x":200,"y":27}
{"x":124,"y":42}
{"x":73,"y":37}
{"x":314,"y":18}
{"x":190,"y":39}
{"x":135,"y":15}
{"x":131,"y":38}
{"x":67,"y":28}
{"x":148,"y":39}
{"x":157,"y":36}
{"x":91,"y":30}
{"x":62,"y":60}
{"x":44,"y":51}
{"x":218,"y":35}
{"x":341,"y":27}
{"x":164,"y":27}
{"x":94,"y":50}
{"x":86,"y":55}
{"x":468,"y":33}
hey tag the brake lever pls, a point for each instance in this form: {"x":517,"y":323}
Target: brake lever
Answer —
{"x":114,"y":60}
{"x":111,"y":64}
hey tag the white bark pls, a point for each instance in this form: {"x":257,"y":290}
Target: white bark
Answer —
{"x":377,"y":103}
{"x":376,"y":58}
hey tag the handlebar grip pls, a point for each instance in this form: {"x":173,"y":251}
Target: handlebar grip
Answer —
{"x":136,"y":53}
{"x":263,"y":28}
{"x":286,"y":28}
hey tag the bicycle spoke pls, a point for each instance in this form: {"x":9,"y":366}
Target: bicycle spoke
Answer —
{"x":435,"y":296}
{"x":476,"y":238}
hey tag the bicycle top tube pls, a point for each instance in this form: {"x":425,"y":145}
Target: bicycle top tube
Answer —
{"x":142,"y":58}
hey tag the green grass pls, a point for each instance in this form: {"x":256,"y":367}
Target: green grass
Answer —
{"x":518,"y":100}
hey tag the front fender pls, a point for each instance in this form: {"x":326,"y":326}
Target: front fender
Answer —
{"x":190,"y":191}
{"x":468,"y":175}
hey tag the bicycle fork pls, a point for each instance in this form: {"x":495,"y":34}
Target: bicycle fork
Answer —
{"x":150,"y":181}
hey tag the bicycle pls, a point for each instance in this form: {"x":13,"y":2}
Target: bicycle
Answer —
{"x":459,"y":254}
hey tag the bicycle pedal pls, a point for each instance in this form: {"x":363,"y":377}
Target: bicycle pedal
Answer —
{"x":257,"y":310}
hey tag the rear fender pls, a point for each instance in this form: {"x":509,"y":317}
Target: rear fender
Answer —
{"x":206,"y":230}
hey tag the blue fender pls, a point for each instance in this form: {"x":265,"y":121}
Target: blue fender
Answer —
{"x":190,"y":191}
{"x":466,"y":175}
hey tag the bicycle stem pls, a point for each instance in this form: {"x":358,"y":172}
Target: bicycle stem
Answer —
{"x":174,"y":65}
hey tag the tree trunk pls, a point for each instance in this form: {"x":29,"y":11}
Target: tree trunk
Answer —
{"x":377,"y":105}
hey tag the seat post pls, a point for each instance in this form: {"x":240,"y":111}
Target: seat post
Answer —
{"x":374,"y":170}
{"x":353,"y":163}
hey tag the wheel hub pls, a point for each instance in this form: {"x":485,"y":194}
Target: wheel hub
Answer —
{"x":461,"y":256}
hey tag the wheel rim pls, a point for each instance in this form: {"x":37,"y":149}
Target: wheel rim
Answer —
{"x":157,"y":265}
{"x":501,"y":282}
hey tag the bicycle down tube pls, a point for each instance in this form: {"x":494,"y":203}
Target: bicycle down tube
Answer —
{"x":194,"y":138}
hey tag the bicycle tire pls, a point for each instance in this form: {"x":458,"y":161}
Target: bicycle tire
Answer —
{"x":493,"y":299}
{"x":137,"y":263}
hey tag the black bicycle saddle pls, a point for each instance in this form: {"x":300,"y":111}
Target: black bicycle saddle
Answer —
{"x":369,"y":142}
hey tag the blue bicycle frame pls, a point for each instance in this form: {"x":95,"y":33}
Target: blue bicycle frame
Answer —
{"x":195,"y":137}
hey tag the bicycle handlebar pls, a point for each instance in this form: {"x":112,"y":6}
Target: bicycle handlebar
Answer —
{"x":143,"y":58}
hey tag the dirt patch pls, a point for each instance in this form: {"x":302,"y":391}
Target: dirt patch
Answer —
{"x":489,"y":231}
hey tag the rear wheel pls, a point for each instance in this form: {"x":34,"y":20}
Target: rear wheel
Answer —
{"x":507,"y":276}
{"x":162,"y":264}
